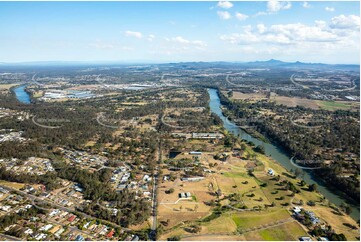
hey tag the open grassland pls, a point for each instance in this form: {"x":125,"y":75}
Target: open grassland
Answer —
{"x":12,"y":184}
{"x":338,"y":222}
{"x":315,"y":104}
{"x":338,"y":105}
{"x":4,"y":87}
{"x":175,"y":210}
{"x":212,"y":237}
{"x":223,"y":224}
{"x":248,"y":96}
{"x":241,"y":190}
{"x":295,"y":101}
{"x":250,"y":219}
{"x":290,"y":231}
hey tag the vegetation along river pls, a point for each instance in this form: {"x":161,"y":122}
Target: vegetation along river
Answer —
{"x":277,"y":154}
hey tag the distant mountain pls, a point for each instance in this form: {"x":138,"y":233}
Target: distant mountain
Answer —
{"x":272,"y":63}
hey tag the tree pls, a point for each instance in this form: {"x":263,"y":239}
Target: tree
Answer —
{"x":259,"y":149}
{"x":346,"y":208}
{"x":298,"y":172}
{"x":174,"y":238}
{"x":312,"y":187}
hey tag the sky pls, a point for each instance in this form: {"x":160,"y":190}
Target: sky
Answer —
{"x":322,"y":32}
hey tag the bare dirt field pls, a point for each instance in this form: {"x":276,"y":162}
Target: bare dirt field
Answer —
{"x":296,"y":101}
{"x":248,"y":96}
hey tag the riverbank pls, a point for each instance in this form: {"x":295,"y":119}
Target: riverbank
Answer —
{"x":277,"y":153}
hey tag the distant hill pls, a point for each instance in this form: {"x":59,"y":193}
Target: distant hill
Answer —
{"x":272,"y":63}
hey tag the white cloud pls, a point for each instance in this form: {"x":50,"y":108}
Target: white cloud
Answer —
{"x":345,"y":22}
{"x":224,"y":15}
{"x":224,"y":4}
{"x":342,"y":30}
{"x":199,"y":43}
{"x":181,"y":40}
{"x":134,"y":34}
{"x":321,"y":24}
{"x":151,"y":37}
{"x":330,"y":9}
{"x":275,"y":6}
{"x":306,"y":5}
{"x":260,"y":14}
{"x":261,"y":28}
{"x":241,"y":16}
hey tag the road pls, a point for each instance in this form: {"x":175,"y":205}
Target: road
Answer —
{"x":231,"y":83}
{"x":34,"y":81}
{"x":347,"y":89}
{"x":153,"y":233}
{"x":297,"y":84}
{"x":9,"y":238}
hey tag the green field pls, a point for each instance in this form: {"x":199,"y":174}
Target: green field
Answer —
{"x":332,"y":105}
{"x":286,"y":232}
{"x":253,"y":219}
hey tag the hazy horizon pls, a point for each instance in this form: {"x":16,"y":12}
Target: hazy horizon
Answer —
{"x":150,"y":62}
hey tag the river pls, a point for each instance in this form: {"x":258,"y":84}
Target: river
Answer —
{"x":277,"y":154}
{"x":22,"y":95}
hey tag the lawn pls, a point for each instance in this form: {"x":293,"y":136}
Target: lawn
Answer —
{"x":334,"y":105}
{"x":12,"y":184}
{"x":223,"y":224}
{"x":253,"y":219}
{"x":285,"y":232}
{"x":235,"y":174}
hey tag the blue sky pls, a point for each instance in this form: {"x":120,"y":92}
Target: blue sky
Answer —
{"x":327,"y":32}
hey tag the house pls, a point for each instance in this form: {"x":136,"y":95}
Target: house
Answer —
{"x":297,"y":209}
{"x":181,"y":195}
{"x":46,"y":227}
{"x":114,"y":211}
{"x":313,"y":218}
{"x":40,"y":236}
{"x":79,"y":238}
{"x":184,"y":195}
{"x":28,"y":231}
{"x":135,"y":238}
{"x":323,"y":239}
{"x":110,"y":234}
{"x":305,"y":239}
{"x":147,"y":178}
{"x":59,"y":232}
{"x":71,"y":218}
{"x":5,"y":208}
{"x":270,"y":172}
{"x":192,"y":179}
{"x":195,"y":153}
{"x":207,"y":135}
{"x":147,"y":194}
